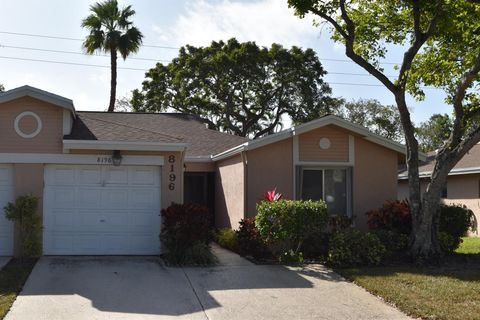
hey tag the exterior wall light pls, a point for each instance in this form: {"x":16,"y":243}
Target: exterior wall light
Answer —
{"x":116,"y":158}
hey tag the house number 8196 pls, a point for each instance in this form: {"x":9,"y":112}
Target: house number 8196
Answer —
{"x":172,"y":177}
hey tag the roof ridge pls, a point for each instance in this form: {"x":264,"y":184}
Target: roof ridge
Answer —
{"x":135,"y":127}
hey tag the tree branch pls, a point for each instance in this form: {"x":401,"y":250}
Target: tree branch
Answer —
{"x":458,"y":124}
{"x":349,"y":38}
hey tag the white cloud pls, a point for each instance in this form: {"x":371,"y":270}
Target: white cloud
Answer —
{"x":264,"y":21}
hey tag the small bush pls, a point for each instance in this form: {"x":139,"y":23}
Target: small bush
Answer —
{"x":185,"y":227}
{"x":393,"y":215}
{"x":395,"y":243}
{"x":316,"y":246}
{"x":340,"y":223}
{"x":354,"y":248}
{"x":250,"y":242}
{"x":285,"y":224}
{"x":24,"y":212}
{"x":199,"y":254}
{"x":448,"y":243}
{"x":456,"y":220}
{"x":291,"y":257}
{"x":227,"y":238}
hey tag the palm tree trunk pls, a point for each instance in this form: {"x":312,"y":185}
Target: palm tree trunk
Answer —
{"x":113,"y":83}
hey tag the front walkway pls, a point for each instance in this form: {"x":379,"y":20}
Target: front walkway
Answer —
{"x":143,"y":288}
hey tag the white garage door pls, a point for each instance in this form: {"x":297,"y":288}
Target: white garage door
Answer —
{"x":101,"y":210}
{"x":6,"y":195}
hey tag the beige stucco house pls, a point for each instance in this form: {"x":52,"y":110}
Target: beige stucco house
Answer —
{"x":102,"y":178}
{"x":463,"y":183}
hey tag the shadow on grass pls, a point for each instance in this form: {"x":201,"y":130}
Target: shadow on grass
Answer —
{"x":12,"y":279}
{"x":464,"y":267}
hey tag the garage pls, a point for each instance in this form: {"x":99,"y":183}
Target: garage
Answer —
{"x":6,"y":195}
{"x":101,"y":210}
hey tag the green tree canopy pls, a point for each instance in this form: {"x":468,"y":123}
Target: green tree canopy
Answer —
{"x":440,"y":43}
{"x":433,"y":133}
{"x":111,"y":30}
{"x":239,"y":88}
{"x":371,"y":114}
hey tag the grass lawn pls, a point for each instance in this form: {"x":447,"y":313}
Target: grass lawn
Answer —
{"x":450,"y":291}
{"x":12,"y":279}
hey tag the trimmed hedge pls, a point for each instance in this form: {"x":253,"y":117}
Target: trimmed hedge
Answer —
{"x":355,"y":248}
{"x":285,"y":224}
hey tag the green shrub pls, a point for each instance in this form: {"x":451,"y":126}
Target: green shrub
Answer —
{"x":448,"y":243}
{"x":227,"y":238}
{"x":291,"y":257}
{"x":395,"y":243}
{"x":199,"y":254}
{"x":354,"y":248}
{"x":285,"y":224}
{"x":250,"y":242}
{"x":24,"y":212}
{"x":457,"y":220}
{"x":185,"y":227}
{"x":316,"y":246}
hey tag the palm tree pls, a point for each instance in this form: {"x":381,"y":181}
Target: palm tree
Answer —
{"x":111,"y":31}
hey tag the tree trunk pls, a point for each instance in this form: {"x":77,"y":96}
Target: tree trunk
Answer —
{"x":113,"y":83}
{"x":424,"y":241}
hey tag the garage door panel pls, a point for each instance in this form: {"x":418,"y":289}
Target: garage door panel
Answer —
{"x":143,"y":199}
{"x":143,"y":176}
{"x":116,"y":176}
{"x":114,"y":198}
{"x":119,"y":216}
{"x":60,"y":197}
{"x":89,"y":175}
{"x":60,"y":176}
{"x":60,"y":220}
{"x":88,"y":198}
{"x":6,"y":196}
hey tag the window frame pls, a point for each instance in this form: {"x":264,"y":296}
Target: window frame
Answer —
{"x":349,"y":183}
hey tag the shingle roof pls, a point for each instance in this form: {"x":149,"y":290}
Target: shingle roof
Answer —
{"x":470,"y":160}
{"x":153,"y":127}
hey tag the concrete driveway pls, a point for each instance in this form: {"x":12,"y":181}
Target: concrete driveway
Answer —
{"x":143,"y":288}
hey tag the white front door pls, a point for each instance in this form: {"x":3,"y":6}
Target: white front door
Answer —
{"x":101,"y":210}
{"x":6,"y":195}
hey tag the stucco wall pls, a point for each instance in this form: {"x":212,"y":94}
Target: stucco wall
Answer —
{"x":461,"y":189}
{"x":28,"y":179}
{"x":269,"y":167}
{"x":309,"y":149}
{"x":49,"y":140}
{"x":229,"y":192}
{"x":374,"y":178}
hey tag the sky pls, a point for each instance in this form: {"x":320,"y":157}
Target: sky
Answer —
{"x":168,"y":25}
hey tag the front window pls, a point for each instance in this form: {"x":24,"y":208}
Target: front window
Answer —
{"x":329,"y":184}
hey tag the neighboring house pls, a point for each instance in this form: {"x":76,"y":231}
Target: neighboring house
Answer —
{"x":463,"y":182}
{"x":103,"y":177}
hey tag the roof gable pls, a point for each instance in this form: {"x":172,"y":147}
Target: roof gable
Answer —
{"x":28,"y":91}
{"x":318,"y":123}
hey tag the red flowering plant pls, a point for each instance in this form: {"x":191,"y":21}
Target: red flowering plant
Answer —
{"x":272,"y":195}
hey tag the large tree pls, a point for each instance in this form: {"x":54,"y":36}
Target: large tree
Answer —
{"x":111,"y":30}
{"x":440,"y":43}
{"x":371,"y":114}
{"x":433,"y":133}
{"x":2,"y":88}
{"x":239,"y":88}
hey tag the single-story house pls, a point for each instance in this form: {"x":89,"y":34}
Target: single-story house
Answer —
{"x":102,"y":178}
{"x":463,"y":182}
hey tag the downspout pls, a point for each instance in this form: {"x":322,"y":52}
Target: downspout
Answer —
{"x":245,"y":183}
